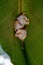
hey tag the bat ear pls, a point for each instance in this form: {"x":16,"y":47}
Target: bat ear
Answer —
{"x":28,"y":19}
{"x":28,"y":23}
{"x":23,"y":13}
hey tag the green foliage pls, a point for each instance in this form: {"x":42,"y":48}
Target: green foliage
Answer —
{"x":34,"y":40}
{"x":8,"y":13}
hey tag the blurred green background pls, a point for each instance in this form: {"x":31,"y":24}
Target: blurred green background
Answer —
{"x":34,"y":40}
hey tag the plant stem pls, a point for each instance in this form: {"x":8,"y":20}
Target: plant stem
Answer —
{"x":20,"y":6}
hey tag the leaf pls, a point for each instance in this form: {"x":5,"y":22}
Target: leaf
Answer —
{"x":8,"y":13}
{"x":34,"y":41}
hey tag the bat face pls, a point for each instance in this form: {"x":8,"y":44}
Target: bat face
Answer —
{"x":23,"y":20}
{"x":17,"y":26}
{"x":21,"y":34}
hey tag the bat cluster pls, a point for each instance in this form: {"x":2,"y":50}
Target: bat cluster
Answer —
{"x":19,"y":26}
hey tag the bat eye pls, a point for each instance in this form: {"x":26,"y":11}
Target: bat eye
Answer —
{"x":17,"y":33}
{"x":26,"y":20}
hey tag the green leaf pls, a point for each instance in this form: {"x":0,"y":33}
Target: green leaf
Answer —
{"x":8,"y":13}
{"x":34,"y":41}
